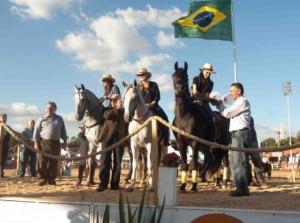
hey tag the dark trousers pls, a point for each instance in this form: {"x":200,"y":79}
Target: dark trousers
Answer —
{"x":48,"y":167}
{"x":26,"y":154}
{"x":106,"y":161}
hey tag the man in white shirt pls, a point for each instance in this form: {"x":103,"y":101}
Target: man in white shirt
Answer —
{"x":239,"y":114}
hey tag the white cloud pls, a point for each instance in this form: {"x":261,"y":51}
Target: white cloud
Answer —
{"x":163,"y":40}
{"x":18,"y":115}
{"x":115,"y":42}
{"x":150,"y":16}
{"x":39,"y":9}
{"x":164,"y":82}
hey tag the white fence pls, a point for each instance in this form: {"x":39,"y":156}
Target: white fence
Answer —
{"x":49,"y":212}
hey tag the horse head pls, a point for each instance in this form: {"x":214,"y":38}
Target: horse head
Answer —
{"x":180,"y":79}
{"x":80,"y":100}
{"x":131,"y":99}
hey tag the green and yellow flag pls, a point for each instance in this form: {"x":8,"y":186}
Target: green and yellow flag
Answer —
{"x":206,"y":20}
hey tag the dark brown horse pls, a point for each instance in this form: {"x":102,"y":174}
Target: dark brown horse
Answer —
{"x":189,"y":118}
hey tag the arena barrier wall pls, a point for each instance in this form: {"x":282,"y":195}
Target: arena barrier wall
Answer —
{"x":70,"y":212}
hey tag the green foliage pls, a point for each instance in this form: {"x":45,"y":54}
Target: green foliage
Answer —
{"x":74,"y":142}
{"x":132,"y":215}
{"x":268,"y":142}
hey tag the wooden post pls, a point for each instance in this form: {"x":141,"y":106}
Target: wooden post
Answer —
{"x":18,"y":160}
{"x":154,"y":160}
{"x":1,"y":147}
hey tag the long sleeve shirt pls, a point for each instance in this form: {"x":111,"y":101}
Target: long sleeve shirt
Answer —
{"x":239,"y":114}
{"x":50,"y":128}
{"x":27,"y":135}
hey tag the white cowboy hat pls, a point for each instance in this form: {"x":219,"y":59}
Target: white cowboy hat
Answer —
{"x":108,"y":77}
{"x":208,"y":67}
{"x":143,"y":71}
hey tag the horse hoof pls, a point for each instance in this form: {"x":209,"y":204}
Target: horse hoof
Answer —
{"x":129,"y":189}
{"x":126,"y":181}
{"x":182,"y":190}
{"x":217,"y":185}
{"x":194,"y":190}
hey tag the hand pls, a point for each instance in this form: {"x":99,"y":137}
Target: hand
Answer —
{"x":37,"y":146}
{"x":152,"y":104}
{"x":216,"y":102}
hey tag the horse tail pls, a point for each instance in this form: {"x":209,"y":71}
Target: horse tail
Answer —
{"x":219,"y":155}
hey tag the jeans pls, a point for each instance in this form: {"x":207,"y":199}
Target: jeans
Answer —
{"x":238,"y":161}
{"x":26,"y":154}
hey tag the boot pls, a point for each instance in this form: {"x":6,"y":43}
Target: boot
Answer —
{"x":80,"y":174}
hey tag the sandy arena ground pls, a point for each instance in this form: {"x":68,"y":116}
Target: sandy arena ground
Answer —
{"x":281,"y":193}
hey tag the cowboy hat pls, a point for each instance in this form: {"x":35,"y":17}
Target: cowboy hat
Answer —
{"x":208,"y":67}
{"x":144,"y":71}
{"x":108,"y":77}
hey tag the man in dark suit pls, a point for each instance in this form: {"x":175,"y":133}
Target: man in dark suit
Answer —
{"x":114,"y":129}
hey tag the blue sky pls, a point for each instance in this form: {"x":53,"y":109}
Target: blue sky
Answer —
{"x":47,"y":46}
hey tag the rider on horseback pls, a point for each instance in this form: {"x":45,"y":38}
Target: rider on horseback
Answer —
{"x":151,"y":94}
{"x":201,"y":89}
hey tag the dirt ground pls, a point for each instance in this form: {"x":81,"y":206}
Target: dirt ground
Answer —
{"x":281,"y":193}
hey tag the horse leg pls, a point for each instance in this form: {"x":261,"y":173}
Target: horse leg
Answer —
{"x":184,"y":167}
{"x":225,"y":172}
{"x":208,"y":157}
{"x":91,"y":169}
{"x":149,"y":166}
{"x":218,"y":178}
{"x":135,"y":155}
{"x":194,"y":162}
{"x":91,"y":172}
{"x":130,"y":170}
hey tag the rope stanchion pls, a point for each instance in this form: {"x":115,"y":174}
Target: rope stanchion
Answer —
{"x":147,"y":122}
{"x":220,"y":146}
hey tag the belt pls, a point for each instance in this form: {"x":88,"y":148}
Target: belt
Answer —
{"x":239,"y":130}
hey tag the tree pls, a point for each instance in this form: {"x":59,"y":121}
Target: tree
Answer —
{"x":74,"y":142}
{"x":268,"y":142}
{"x":298,"y":137}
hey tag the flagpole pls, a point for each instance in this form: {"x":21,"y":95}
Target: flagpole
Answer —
{"x":233,"y":42}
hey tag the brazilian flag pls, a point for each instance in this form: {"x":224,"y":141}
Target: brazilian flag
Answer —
{"x":206,"y":20}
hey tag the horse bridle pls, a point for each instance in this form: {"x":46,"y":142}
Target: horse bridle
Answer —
{"x":185,"y":89}
{"x":139,"y":119}
{"x":86,"y":111}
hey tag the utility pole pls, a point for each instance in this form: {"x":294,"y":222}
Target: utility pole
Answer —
{"x":287,"y":91}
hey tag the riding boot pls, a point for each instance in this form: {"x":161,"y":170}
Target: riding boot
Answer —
{"x":80,"y":174}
